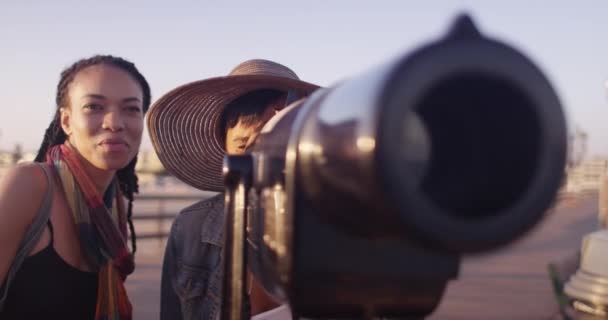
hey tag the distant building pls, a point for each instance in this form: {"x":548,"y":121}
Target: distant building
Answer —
{"x":148,"y":162}
{"x":27,"y":157}
{"x":149,"y":168}
{"x":587,"y":176}
{"x":6,"y":159}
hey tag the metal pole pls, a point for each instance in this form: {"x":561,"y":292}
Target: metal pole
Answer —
{"x":237,"y":175}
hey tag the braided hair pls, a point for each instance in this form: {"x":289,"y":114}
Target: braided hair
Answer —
{"x":54,"y":134}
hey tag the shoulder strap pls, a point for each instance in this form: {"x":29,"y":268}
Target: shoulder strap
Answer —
{"x":32,"y":234}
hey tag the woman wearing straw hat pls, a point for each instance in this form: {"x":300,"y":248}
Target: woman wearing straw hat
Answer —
{"x":192,"y":128}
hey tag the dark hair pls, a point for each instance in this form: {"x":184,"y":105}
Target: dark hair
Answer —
{"x":54,"y":134}
{"x":248,"y":108}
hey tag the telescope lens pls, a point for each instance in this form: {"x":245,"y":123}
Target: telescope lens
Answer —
{"x":484,"y":141}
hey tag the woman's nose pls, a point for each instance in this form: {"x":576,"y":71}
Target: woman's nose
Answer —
{"x":113,"y":121}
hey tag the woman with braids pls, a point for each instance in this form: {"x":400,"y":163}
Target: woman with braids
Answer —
{"x":63,"y":223}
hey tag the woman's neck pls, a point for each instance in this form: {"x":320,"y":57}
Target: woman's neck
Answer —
{"x":100,"y":178}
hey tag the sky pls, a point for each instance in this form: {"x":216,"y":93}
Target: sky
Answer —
{"x":175,"y":42}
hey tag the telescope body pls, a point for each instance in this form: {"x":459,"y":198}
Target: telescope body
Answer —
{"x":362,"y":197}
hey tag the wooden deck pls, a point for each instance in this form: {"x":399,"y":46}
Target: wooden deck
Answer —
{"x":513,"y":283}
{"x":508,"y":284}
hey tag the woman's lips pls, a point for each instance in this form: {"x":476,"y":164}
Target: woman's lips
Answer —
{"x":114,"y":145}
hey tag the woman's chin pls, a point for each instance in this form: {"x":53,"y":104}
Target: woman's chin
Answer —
{"x":113,"y":163}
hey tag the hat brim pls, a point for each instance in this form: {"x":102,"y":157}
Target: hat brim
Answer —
{"x":184,"y":124}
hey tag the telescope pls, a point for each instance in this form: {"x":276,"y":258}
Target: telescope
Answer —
{"x":360,"y":200}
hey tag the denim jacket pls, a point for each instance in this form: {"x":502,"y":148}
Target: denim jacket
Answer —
{"x":191,"y":281}
{"x":192,"y":276}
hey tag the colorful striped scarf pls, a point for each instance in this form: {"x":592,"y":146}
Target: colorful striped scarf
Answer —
{"x":102,"y":232}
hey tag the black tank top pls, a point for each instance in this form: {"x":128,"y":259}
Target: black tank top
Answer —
{"x":47,"y":287}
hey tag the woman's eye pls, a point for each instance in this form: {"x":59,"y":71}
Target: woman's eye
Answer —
{"x":93,"y":107}
{"x":134,"y":109}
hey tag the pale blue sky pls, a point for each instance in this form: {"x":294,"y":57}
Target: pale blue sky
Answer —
{"x":323,"y":41}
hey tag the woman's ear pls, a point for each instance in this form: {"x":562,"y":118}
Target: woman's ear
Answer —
{"x":64,"y":118}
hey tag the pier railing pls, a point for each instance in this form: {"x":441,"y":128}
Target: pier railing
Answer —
{"x":159,"y":209}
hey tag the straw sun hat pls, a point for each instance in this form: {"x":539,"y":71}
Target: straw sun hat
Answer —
{"x":184,"y":124}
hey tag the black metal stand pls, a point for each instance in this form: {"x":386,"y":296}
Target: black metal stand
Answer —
{"x":237,"y":178}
